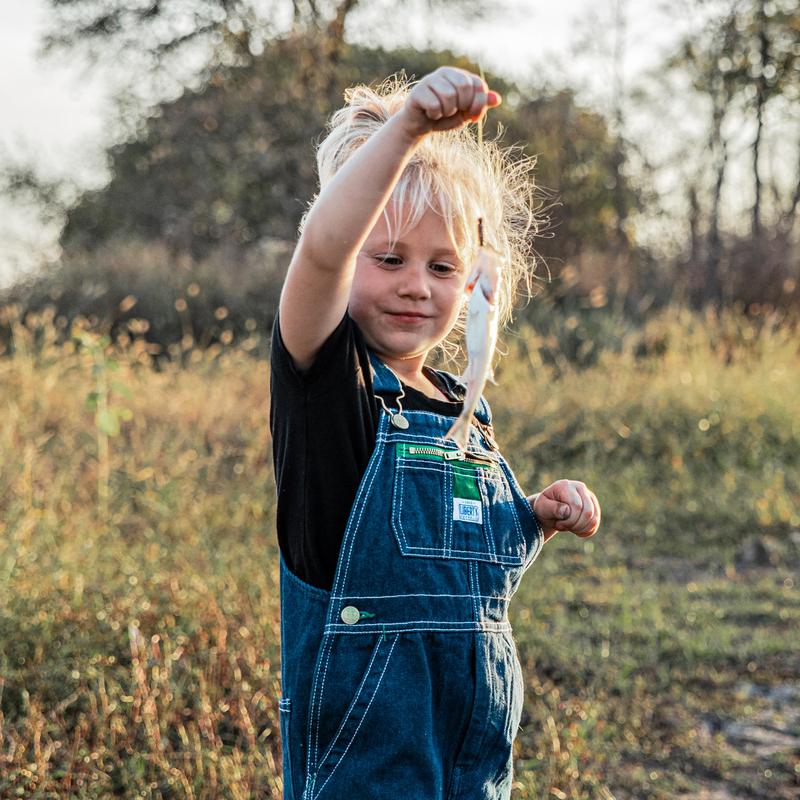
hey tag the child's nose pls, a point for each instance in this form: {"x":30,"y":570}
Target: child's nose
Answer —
{"x":414,"y":281}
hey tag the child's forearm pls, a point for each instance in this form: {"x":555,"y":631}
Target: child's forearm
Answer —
{"x":349,"y":206}
{"x":317,"y":288}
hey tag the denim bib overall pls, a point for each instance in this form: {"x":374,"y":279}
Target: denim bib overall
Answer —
{"x":403,"y":681}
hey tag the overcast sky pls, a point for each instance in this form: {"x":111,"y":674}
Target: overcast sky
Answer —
{"x":55,"y":115}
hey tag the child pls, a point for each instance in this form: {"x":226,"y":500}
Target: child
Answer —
{"x":399,"y":554}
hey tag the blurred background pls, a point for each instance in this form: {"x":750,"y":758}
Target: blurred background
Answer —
{"x":667,"y":139}
{"x":156,"y":157}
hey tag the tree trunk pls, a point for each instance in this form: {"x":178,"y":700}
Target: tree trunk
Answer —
{"x":791,"y":215}
{"x":719,"y":149}
{"x":694,"y":225}
{"x":336,"y":28}
{"x":761,"y":96}
{"x":618,"y":153}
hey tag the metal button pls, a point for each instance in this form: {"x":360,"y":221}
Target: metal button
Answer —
{"x":350,"y":615}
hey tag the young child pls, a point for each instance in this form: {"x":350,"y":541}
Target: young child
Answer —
{"x":400,"y":677}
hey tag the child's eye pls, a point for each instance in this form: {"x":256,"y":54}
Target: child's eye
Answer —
{"x":389,"y":261}
{"x":443,"y":269}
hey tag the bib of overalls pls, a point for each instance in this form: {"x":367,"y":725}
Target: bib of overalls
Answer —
{"x":403,"y":681}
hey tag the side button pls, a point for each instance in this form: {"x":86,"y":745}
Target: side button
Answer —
{"x":350,"y":615}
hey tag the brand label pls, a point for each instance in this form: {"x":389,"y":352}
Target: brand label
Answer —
{"x":467,"y":510}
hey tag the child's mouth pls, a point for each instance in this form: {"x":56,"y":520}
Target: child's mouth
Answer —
{"x":406,"y":317}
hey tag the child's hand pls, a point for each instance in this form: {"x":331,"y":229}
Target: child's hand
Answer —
{"x":567,"y":506}
{"x":447,"y":99}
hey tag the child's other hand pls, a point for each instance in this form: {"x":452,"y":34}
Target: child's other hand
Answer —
{"x":447,"y":99}
{"x":567,"y":506}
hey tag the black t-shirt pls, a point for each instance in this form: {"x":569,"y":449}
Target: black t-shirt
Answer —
{"x":323,"y":422}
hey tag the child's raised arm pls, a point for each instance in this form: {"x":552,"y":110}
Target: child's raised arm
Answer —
{"x":317,"y":289}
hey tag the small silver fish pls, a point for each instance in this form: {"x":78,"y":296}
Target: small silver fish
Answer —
{"x":481,"y":336}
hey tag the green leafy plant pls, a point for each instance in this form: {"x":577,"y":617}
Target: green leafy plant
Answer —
{"x":107,"y":417}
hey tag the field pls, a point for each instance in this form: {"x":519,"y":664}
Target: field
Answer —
{"x":139,"y":620}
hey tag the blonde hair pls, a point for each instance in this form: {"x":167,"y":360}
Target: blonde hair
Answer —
{"x":452,"y":173}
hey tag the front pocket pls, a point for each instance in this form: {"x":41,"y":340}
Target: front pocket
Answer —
{"x":326,"y":705}
{"x":447,"y":504}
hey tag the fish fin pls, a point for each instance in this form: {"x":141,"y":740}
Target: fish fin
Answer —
{"x":473,"y":278}
{"x":459,"y":432}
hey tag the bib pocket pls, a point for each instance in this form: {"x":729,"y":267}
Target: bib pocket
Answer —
{"x":447,"y":504}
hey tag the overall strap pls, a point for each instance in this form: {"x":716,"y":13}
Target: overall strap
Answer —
{"x":482,"y":411}
{"x":383,"y":379}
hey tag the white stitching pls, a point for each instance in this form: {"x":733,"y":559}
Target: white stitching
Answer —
{"x":348,"y":542}
{"x":349,"y":535}
{"x":398,"y":627}
{"x":449,"y":492}
{"x":397,"y":503}
{"x":424,"y":465}
{"x":349,"y":538}
{"x":316,"y":703}
{"x":385,"y":437}
{"x":515,"y":519}
{"x":465,"y":555}
{"x":473,"y":571}
{"x":418,"y":594}
{"x":311,"y":707}
{"x":487,"y":527}
{"x":359,"y":691}
{"x":448,"y":551}
{"x":361,"y":722}
{"x":479,"y":627}
{"x":512,"y":479}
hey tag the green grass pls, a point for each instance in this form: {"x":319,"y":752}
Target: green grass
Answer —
{"x":139,"y":646}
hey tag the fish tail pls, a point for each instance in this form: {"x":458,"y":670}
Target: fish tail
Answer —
{"x":459,"y":432}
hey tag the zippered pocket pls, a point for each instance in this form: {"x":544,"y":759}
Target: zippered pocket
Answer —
{"x":447,"y":454}
{"x":455,"y":505}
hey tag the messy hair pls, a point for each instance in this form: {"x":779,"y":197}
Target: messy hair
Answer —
{"x":453,"y":173}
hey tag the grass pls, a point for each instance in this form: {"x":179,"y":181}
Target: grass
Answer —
{"x":139,"y":638}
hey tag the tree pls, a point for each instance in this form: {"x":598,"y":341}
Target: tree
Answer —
{"x":701,"y":59}
{"x":154,"y":49}
{"x":235,"y":162}
{"x":575,"y":155}
{"x":159,"y":30}
{"x":756,"y":44}
{"x":230,"y":161}
{"x":744,"y":64}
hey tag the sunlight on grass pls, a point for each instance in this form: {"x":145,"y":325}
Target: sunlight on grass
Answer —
{"x":139,"y":633}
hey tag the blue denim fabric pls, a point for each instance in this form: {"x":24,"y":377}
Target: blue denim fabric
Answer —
{"x":419,"y":697}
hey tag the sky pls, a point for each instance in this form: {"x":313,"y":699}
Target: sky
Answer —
{"x":57,"y":116}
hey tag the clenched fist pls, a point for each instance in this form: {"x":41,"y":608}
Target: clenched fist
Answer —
{"x":567,"y":506}
{"x":447,"y":99}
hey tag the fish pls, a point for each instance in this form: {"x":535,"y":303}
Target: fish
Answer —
{"x":482,"y":324}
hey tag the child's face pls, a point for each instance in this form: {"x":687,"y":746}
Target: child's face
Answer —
{"x":406,"y":294}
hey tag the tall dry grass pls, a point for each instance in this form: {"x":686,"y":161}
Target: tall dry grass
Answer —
{"x":139,"y":648}
{"x":139,"y":639}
